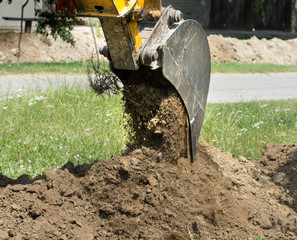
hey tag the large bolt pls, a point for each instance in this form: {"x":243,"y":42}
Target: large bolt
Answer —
{"x":178,"y":16}
{"x":104,"y":51}
{"x":175,"y":16}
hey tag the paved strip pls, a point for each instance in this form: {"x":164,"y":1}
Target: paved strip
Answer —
{"x":14,"y":84}
{"x":250,"y":87}
{"x":223,"y":87}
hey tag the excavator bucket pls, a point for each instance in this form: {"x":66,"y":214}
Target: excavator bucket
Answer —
{"x":185,"y":62}
{"x":145,"y":39}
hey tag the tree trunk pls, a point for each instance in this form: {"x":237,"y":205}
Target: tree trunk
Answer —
{"x":294,"y":16}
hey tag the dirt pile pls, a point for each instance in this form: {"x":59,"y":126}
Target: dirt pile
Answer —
{"x":36,"y":48}
{"x":140,"y":196}
{"x":253,"y":50}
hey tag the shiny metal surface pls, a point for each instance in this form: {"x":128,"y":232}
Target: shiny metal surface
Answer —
{"x":186,"y":64}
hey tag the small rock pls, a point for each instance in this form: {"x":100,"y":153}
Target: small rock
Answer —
{"x":14,"y":51}
{"x":152,"y":180}
{"x":18,"y":188}
{"x":243,"y":159}
{"x":262,"y":220}
{"x":15,"y":207}
{"x":106,"y":210}
{"x":256,"y":173}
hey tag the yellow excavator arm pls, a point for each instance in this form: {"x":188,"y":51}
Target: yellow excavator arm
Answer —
{"x":119,"y":20}
{"x":141,"y":34}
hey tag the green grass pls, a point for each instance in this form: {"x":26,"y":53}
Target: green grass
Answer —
{"x":220,"y":67}
{"x":44,"y":130}
{"x":245,"y":128}
{"x":81,"y":68}
{"x":43,"y":67}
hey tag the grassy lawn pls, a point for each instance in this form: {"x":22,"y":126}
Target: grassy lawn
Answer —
{"x":81,"y":68}
{"x":43,"y":130}
{"x":245,"y":128}
{"x":72,"y":68}
{"x":220,"y":67}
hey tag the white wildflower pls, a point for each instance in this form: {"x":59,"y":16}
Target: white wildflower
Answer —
{"x":39,"y":98}
{"x":257,"y":125}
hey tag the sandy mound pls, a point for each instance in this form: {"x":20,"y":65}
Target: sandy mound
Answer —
{"x":223,"y":49}
{"x":140,"y":196}
{"x":253,"y":50}
{"x":36,"y":48}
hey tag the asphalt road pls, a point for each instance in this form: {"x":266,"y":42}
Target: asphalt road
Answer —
{"x":223,"y":87}
{"x":249,"y":87}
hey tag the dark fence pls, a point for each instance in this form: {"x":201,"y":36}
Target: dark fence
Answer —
{"x":236,"y":14}
{"x":240,"y":14}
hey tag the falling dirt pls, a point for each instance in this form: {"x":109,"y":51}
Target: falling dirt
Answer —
{"x":158,"y":116}
{"x":140,"y":197}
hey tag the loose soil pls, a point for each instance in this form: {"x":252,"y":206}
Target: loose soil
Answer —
{"x":223,"y":49}
{"x":141,"y":196}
